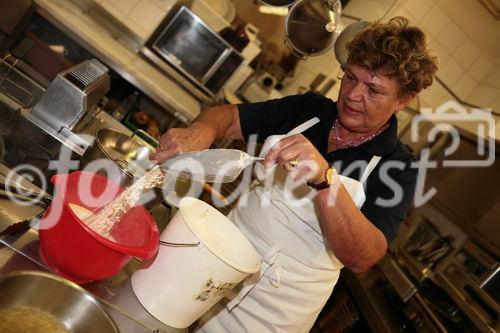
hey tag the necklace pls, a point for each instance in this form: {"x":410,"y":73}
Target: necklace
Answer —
{"x":341,"y":143}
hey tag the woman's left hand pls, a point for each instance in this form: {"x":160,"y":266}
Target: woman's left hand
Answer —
{"x":299,"y":156}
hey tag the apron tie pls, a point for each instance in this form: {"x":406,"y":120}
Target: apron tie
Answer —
{"x":269,"y":261}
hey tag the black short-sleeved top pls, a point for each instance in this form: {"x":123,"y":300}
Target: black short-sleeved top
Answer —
{"x":281,"y":115}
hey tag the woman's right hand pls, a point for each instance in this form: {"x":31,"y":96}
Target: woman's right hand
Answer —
{"x":182,"y":140}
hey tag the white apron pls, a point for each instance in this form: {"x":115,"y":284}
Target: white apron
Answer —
{"x":298,"y":270}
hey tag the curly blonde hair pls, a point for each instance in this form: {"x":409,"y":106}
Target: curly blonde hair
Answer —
{"x":397,"y":50}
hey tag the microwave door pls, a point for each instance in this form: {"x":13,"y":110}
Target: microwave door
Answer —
{"x":216,"y":66}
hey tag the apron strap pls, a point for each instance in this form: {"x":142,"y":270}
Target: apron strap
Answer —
{"x":369,"y":168}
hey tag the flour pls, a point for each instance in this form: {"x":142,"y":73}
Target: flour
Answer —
{"x":106,"y":219}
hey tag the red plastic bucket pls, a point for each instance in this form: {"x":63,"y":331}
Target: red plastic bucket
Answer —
{"x":70,"y":248}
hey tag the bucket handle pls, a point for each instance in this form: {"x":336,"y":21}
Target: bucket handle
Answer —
{"x":179,"y":244}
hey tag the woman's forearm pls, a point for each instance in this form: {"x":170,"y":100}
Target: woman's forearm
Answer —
{"x":354,"y":240}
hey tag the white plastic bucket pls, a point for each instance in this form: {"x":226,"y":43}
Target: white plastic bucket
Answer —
{"x":183,"y":282}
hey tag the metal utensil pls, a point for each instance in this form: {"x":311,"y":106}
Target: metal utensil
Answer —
{"x":211,"y":165}
{"x":45,"y":292}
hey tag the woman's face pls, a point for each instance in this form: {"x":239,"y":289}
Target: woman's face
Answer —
{"x":368,"y":99}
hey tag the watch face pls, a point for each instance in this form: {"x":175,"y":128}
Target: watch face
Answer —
{"x":330,"y":176}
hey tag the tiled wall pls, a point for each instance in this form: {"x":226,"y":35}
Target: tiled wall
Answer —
{"x":468,"y":44}
{"x":465,"y":36}
{"x":140,"y":16}
{"x":466,"y":40}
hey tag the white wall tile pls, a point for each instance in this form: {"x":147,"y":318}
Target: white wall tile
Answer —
{"x":450,"y":71}
{"x":451,"y":37}
{"x":147,"y":15}
{"x":438,"y":50}
{"x":464,"y":86}
{"x":484,"y":96}
{"x":481,"y":67}
{"x":116,"y":12}
{"x":434,"y":21}
{"x":466,"y":53}
{"x":137,"y":29}
{"x":399,"y":10}
{"x":417,"y":8}
{"x":125,"y":6}
{"x":166,"y":5}
{"x":493,"y":78}
{"x":369,"y":10}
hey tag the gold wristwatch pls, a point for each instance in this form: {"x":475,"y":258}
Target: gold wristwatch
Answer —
{"x":330,"y":179}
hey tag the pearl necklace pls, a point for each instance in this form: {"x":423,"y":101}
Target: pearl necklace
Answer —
{"x":341,"y":143}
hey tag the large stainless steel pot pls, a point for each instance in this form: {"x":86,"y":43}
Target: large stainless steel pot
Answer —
{"x":63,"y":301}
{"x":312,"y":26}
{"x":278,"y":3}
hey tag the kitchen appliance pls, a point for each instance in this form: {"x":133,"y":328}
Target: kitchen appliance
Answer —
{"x":70,"y":102}
{"x":72,"y":249}
{"x":66,"y":303}
{"x":475,"y":275}
{"x":187,"y":44}
{"x":312,"y":26}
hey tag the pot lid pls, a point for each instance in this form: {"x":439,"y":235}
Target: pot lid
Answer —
{"x":312,"y":26}
{"x":278,"y":3}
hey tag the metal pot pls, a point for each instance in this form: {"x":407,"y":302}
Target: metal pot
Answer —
{"x":129,"y":153}
{"x":278,"y":3}
{"x":36,"y":293}
{"x":312,"y":26}
{"x":345,"y":37}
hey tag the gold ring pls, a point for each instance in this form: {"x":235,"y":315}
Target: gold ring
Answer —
{"x":294,"y":162}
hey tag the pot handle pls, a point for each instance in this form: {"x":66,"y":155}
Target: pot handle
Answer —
{"x":146,"y":137}
{"x":179,"y":244}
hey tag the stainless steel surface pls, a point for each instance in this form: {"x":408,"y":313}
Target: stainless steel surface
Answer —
{"x":345,"y":37}
{"x":18,"y":86}
{"x":177,"y":43}
{"x":211,"y":165}
{"x":13,"y":212}
{"x":47,"y":292}
{"x":278,"y":3}
{"x":400,"y":282}
{"x":91,"y":33}
{"x":312,"y":26}
{"x":21,"y":252}
{"x":72,"y":94}
{"x":170,"y":71}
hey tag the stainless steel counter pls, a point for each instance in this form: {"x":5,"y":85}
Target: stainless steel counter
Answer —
{"x":95,"y":37}
{"x":21,"y":252}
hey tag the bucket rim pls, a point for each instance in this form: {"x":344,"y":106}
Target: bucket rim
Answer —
{"x":219,"y":254}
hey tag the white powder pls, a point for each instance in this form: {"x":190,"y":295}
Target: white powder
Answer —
{"x":106,"y":219}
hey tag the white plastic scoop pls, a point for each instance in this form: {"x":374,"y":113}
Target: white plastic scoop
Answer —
{"x":218,"y":165}
{"x":211,"y":165}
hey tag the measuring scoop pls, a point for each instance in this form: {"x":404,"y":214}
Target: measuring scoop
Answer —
{"x":210,"y":165}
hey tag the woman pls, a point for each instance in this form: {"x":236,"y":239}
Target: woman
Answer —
{"x":308,"y":228}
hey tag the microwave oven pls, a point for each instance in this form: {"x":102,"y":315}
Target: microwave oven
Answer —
{"x":193,"y":49}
